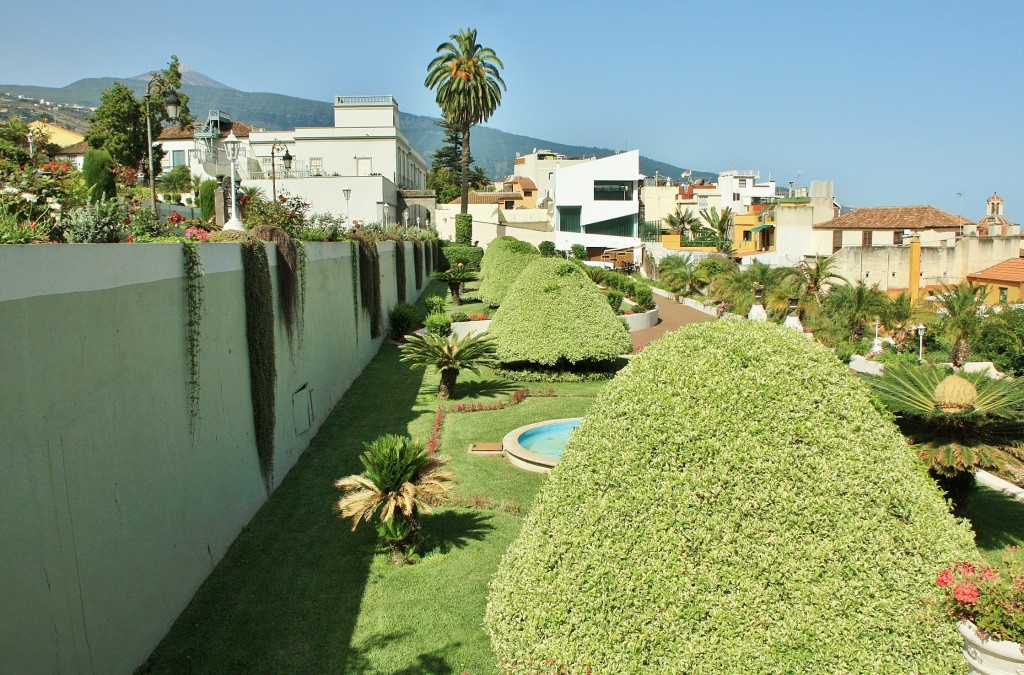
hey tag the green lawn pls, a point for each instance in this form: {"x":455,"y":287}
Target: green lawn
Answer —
{"x":998,"y":521}
{"x":299,"y":592}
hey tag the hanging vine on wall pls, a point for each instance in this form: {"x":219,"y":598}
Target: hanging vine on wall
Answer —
{"x":193,"y":265}
{"x":417,"y":262}
{"x":301,"y":259}
{"x":400,"y":269}
{"x":259,"y":330}
{"x":369,"y":278}
{"x":287,"y":273}
{"x":355,"y":287}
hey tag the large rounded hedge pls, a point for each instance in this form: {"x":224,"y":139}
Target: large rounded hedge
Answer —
{"x":553,"y":315}
{"x":732,"y":503}
{"x":503,"y":262}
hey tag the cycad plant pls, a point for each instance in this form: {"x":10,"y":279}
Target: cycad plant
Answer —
{"x":456,"y":276}
{"x":450,"y":355}
{"x":958,"y":423}
{"x":399,"y":480}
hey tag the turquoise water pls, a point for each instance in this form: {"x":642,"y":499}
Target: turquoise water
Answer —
{"x":548,"y":440}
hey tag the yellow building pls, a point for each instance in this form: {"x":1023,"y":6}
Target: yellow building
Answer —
{"x":59,"y":136}
{"x":1005,"y":281}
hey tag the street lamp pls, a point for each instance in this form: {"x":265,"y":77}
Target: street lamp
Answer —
{"x":876,"y":345}
{"x":920,"y":344}
{"x":286,"y":161}
{"x":172,"y":104}
{"x":231,"y":149}
{"x":385,"y":213}
{"x":347,"y":192}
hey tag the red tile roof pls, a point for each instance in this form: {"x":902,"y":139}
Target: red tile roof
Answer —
{"x":895,"y":218}
{"x":490,"y":197}
{"x":241,"y":129}
{"x":1011,"y":271}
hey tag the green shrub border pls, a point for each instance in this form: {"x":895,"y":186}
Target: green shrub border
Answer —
{"x":584,"y":371}
{"x":464,"y":229}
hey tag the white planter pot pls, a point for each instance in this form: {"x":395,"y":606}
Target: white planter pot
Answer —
{"x":990,"y":657}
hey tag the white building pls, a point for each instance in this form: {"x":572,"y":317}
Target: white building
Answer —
{"x":597,"y":203}
{"x":739,"y":189}
{"x":540,"y":166}
{"x":365,"y":152}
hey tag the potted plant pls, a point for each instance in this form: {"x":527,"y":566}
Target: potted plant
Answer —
{"x":988,"y":604}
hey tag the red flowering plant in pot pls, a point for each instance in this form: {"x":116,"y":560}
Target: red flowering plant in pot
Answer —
{"x":988,"y":602}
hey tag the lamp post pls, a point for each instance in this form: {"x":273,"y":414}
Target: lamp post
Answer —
{"x":347,"y":192}
{"x":173,"y":106}
{"x":385,"y":213}
{"x":231,"y":149}
{"x":286,"y":161}
{"x":920,"y":343}
{"x":876,"y":346}
{"x":31,"y":146}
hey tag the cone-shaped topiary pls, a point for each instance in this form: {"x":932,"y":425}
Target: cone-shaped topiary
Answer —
{"x":553,"y":313}
{"x":503,"y":262}
{"x":731,"y":503}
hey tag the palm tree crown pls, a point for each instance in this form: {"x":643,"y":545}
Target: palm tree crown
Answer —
{"x":961,"y":320}
{"x":469,"y":85}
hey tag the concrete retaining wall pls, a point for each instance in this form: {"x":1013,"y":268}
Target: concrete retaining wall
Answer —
{"x":112,"y":512}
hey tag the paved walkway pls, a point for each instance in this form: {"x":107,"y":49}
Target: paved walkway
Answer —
{"x":673,"y":315}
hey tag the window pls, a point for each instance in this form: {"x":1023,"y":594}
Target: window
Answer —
{"x":735,"y":196}
{"x":316,"y":166}
{"x":177,"y":157}
{"x":1004,"y":294}
{"x":865,"y":238}
{"x":897,"y":237}
{"x":702,"y":203}
{"x":569,"y":218}
{"x":743,"y":182}
{"x":746,"y":235}
{"x":364,"y":166}
{"x":837,"y":240}
{"x":615,"y":191}
{"x":509,"y":204}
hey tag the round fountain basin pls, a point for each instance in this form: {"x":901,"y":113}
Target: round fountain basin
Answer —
{"x":538,"y":447}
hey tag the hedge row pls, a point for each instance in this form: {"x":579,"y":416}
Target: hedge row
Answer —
{"x":553,"y":314}
{"x":503,"y":262}
{"x":460,"y":253}
{"x":732,"y":503}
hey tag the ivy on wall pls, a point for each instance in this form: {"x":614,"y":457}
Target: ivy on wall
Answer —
{"x":300,"y":258}
{"x":259,"y":330}
{"x":287,"y":276}
{"x":355,"y":287}
{"x":400,"y":269}
{"x":369,"y":278}
{"x":417,"y":262}
{"x":193,"y":265}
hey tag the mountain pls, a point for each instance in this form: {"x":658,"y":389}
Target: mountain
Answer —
{"x":191,"y":76}
{"x":493,"y":149}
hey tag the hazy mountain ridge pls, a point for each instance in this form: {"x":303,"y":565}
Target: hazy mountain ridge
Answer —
{"x":493,"y":149}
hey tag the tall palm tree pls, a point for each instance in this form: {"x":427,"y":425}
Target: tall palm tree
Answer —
{"x":720,"y":225}
{"x":469,"y":88}
{"x":957,"y":423}
{"x":961,"y":321}
{"x":856,"y":305}
{"x":450,"y":355}
{"x":683,"y":223}
{"x":400,"y":478}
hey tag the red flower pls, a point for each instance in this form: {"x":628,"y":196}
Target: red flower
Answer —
{"x":966,"y":593}
{"x":129,"y":239}
{"x":945,"y":578}
{"x":964,"y":568}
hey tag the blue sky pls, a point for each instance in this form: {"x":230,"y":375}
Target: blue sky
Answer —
{"x":897,"y":102}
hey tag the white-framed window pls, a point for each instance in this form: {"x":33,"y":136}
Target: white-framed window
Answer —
{"x":177,"y":157}
{"x":316,"y":166}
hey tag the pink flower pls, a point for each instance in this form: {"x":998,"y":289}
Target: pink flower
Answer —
{"x":988,"y":574}
{"x":966,"y":593}
{"x":945,"y":578}
{"x":964,"y":568}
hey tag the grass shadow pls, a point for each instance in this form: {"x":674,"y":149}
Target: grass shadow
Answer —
{"x":450,"y":529}
{"x":484,"y":388}
{"x":998,"y":521}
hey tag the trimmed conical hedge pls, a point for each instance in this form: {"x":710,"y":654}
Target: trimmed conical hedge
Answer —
{"x":732,"y":503}
{"x":555,"y":314}
{"x":503,"y":262}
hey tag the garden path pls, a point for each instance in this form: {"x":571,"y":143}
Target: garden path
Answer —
{"x":673,"y":315}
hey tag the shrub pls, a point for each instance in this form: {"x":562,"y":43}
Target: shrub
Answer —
{"x":774,"y":519}
{"x":98,"y":173}
{"x":439,"y":324}
{"x":552,"y":314}
{"x":402,"y":318}
{"x":207,"y":195}
{"x":464,"y":229}
{"x":643,"y":296}
{"x":101,"y":222}
{"x":503,"y":262}
{"x":435,"y":304}
{"x":579,"y":251}
{"x":469,"y":256}
{"x":614,"y":299}
{"x":546,"y":248}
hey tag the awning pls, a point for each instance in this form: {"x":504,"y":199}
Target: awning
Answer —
{"x":760,"y":227}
